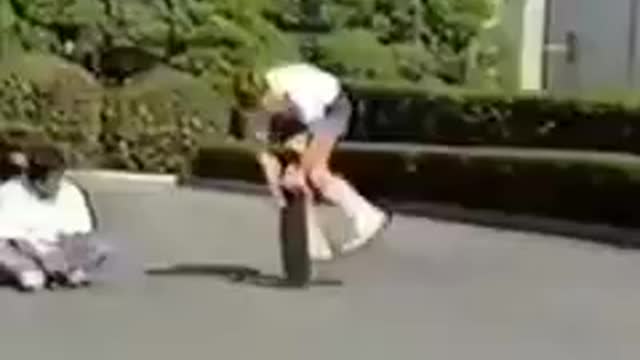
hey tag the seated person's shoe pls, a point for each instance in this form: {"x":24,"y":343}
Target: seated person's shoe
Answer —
{"x":78,"y":278}
{"x":31,"y":280}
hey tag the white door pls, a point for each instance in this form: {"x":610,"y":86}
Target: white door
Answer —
{"x":590,"y":46}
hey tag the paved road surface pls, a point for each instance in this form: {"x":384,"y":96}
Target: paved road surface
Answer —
{"x":429,"y":290}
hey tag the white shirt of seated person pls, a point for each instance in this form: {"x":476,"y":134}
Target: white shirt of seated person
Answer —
{"x":308,"y":87}
{"x":23,"y":215}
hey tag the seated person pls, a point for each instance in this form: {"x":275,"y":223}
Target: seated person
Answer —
{"x":46,"y":225}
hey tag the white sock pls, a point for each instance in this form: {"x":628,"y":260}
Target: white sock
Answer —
{"x":340,"y":192}
{"x":366,"y":218}
{"x":318,"y":244}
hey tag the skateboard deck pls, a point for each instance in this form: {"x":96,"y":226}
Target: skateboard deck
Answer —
{"x":296,"y":263}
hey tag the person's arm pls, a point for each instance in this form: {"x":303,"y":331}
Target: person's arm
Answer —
{"x":266,"y":148}
{"x":74,"y":207}
{"x":11,"y":210}
{"x":272,"y":170}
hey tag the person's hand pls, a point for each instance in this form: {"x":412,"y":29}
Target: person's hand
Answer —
{"x":277,"y":195}
{"x":294,"y":179}
{"x":271,"y":168}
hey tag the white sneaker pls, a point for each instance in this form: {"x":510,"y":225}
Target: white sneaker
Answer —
{"x":318,"y":244}
{"x":319,"y":249}
{"x":78,"y":278}
{"x":31,"y":280}
{"x":366,"y":228}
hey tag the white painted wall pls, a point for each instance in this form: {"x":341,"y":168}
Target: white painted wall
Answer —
{"x":522,"y":24}
{"x":532,"y":45}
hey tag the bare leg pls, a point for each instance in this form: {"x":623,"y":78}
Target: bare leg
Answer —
{"x":367,"y":219}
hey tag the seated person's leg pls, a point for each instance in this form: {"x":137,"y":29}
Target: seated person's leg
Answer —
{"x":49,"y":257}
{"x":20,"y":268}
{"x":83,"y":250}
{"x":86,"y":252}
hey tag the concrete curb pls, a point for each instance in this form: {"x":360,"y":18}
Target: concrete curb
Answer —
{"x":596,"y":233}
{"x":232,"y":186}
{"x":159,"y":179}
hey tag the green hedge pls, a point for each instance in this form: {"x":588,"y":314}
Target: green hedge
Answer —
{"x":156,"y":122}
{"x":581,"y":187}
{"x":53,"y":100}
{"x":153,"y":123}
{"x":414,"y":115}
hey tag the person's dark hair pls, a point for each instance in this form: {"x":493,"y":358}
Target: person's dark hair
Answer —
{"x":284,"y":125}
{"x":44,"y":159}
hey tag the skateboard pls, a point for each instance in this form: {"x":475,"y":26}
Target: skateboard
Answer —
{"x":297,"y":266}
{"x":296,"y":263}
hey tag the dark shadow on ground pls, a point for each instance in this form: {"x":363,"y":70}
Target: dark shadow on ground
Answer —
{"x":236,"y":274}
{"x":624,"y":238}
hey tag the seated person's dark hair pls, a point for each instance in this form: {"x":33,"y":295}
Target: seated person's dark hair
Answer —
{"x":43,"y":160}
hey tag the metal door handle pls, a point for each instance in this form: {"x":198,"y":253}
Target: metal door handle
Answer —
{"x":572,"y":46}
{"x":569,"y":47}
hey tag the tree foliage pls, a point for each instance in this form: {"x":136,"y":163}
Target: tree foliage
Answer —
{"x":404,"y":40}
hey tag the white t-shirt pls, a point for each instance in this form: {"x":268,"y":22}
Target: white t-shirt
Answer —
{"x":310,"y":88}
{"x":25,"y":216}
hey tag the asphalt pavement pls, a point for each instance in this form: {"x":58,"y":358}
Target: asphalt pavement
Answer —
{"x":426,"y":290}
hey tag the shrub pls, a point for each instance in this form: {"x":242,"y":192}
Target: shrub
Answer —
{"x":54,"y":100}
{"x":158,"y":120}
{"x":577,"y":187}
{"x":387,"y":114}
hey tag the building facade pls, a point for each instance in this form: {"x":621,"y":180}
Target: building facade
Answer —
{"x":583,"y":46}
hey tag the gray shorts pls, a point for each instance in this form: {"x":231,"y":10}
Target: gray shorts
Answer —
{"x":283,"y":127}
{"x":336,"y":121}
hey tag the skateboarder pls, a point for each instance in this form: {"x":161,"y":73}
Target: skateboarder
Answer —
{"x":312,"y":98}
{"x":46,"y":225}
